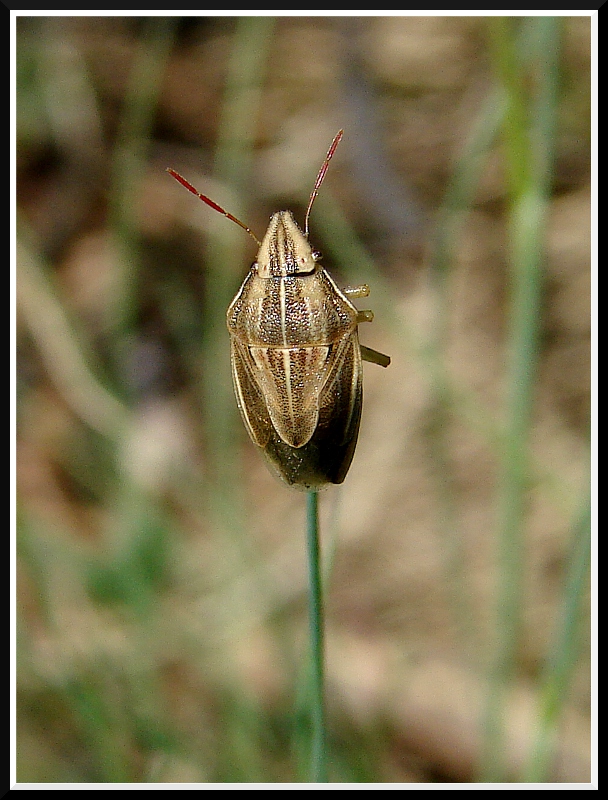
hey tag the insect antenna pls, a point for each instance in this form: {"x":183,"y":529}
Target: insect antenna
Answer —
{"x":321,"y":176}
{"x":213,"y":205}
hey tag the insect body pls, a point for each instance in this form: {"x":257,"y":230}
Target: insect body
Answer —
{"x":296,"y":357}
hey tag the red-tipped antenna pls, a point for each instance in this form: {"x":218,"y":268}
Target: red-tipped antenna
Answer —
{"x":321,"y":176}
{"x":210,"y":202}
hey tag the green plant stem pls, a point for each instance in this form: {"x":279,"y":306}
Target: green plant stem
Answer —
{"x":318,"y":769}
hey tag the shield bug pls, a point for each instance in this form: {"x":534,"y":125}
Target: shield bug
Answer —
{"x":296,"y":357}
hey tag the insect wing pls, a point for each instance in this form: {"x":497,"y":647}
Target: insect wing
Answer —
{"x":291,"y":380}
{"x":248,"y":395}
{"x":327,"y":456}
{"x":343,"y":386}
{"x":334,"y":393}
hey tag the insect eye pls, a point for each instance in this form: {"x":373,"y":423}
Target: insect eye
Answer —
{"x":316,"y":255}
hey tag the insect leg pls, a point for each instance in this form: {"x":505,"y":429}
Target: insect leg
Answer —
{"x":373,"y":356}
{"x":356,"y":291}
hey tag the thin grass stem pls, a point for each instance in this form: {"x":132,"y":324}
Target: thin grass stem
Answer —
{"x":318,"y":764}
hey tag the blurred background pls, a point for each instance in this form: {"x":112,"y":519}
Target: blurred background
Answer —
{"x":162,"y":577}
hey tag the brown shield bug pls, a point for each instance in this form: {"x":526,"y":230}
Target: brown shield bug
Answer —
{"x":296,"y":357}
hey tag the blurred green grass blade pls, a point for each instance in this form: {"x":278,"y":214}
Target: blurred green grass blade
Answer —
{"x":457,"y":203}
{"x":130,"y":162}
{"x":62,"y":345}
{"x":555,"y":682}
{"x":528,"y":124}
{"x":242,"y":102}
